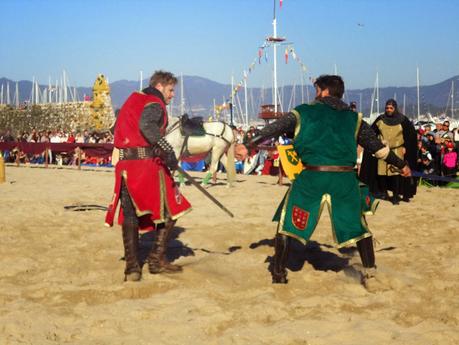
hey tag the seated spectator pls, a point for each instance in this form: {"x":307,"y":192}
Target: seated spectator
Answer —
{"x":78,"y":157}
{"x":19,"y":156}
{"x":37,"y":159}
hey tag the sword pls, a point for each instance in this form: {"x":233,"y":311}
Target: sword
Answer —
{"x":203,"y":191}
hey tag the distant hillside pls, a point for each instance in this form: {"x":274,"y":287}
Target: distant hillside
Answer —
{"x":200,"y":94}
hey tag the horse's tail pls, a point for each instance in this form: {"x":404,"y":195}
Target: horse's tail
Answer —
{"x":230,"y":164}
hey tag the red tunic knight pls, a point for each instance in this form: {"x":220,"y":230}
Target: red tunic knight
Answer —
{"x":149,"y":196}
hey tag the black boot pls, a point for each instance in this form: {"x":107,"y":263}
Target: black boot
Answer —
{"x":279,"y":272}
{"x":157,"y":260}
{"x":132,"y":271}
{"x":396,"y":195}
{"x":367,"y":255}
{"x":366,"y":251}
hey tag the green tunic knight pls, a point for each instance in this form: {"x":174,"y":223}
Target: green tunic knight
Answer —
{"x":326,"y":135}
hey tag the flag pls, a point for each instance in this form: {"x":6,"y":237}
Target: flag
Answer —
{"x":286,"y":55}
{"x":280,"y":3}
{"x":260,"y":54}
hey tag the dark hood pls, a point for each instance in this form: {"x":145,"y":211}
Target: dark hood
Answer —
{"x":392,"y":120}
{"x":395,"y":118}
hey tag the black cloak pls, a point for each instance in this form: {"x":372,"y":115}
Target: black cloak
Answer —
{"x":368,"y":169}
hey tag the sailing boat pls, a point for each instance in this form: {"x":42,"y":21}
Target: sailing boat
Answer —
{"x":270,"y":111}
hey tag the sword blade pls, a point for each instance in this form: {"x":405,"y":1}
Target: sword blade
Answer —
{"x":203,"y":191}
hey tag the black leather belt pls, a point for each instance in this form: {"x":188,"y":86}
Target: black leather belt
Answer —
{"x":133,"y":153}
{"x":330,"y":168}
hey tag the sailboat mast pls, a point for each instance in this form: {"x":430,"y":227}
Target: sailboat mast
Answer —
{"x":65,"y":86}
{"x":275,"y":58}
{"x":417,"y":91}
{"x":37,"y":92}
{"x":141,"y":81}
{"x":32,"y":93}
{"x":302,"y":88}
{"x":50,"y":90}
{"x":17,"y":95}
{"x":8,"y":101}
{"x":182,"y":97}
{"x":404,"y":103}
{"x":452,"y":99}
{"x":232,"y":100}
{"x":57,"y":91}
{"x":377,"y":92}
{"x":246,"y":100}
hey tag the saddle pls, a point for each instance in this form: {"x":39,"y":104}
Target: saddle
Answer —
{"x":192,"y":126}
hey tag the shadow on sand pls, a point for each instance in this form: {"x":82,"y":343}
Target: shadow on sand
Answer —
{"x":176,"y":248}
{"x":311,"y":253}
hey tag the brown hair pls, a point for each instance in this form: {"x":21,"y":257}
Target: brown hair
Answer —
{"x":334,"y":84}
{"x":162,"y":77}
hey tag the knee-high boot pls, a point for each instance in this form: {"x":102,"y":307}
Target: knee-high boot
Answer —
{"x":132,"y":271}
{"x":397,"y":183}
{"x":367,"y":255}
{"x":279,"y":271}
{"x":157,"y":260}
{"x":366,"y":251}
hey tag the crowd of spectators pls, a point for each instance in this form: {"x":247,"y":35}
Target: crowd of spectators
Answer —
{"x":438,"y":148}
{"x":75,"y":156}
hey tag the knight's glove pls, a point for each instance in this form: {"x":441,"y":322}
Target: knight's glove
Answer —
{"x":285,"y":124}
{"x":254,"y":142}
{"x":165,"y":151}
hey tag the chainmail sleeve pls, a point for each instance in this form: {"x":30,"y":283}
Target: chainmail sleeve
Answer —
{"x":283,"y":125}
{"x":367,"y":138}
{"x":150,"y":121}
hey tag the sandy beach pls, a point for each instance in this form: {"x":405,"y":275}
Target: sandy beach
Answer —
{"x":61,"y":279}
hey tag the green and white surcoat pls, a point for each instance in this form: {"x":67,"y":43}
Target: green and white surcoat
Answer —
{"x":326,"y":136}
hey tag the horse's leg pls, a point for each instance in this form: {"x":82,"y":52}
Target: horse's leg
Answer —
{"x":224,"y":161}
{"x":212,"y":168}
{"x":228,"y":161}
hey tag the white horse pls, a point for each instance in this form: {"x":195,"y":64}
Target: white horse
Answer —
{"x":219,"y":139}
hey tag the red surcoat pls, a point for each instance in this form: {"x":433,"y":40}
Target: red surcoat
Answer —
{"x":149,"y":182}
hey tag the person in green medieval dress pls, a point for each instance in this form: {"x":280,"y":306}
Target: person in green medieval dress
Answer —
{"x":326,"y":135}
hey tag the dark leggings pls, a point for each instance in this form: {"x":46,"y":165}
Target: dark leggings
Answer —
{"x":130,"y":217}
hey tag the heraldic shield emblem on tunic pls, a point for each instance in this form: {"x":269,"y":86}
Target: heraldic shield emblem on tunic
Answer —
{"x":291,"y":163}
{"x":300,"y":218}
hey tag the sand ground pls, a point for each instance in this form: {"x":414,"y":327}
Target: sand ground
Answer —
{"x":61,"y":278}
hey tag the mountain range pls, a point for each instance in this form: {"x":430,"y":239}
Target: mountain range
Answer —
{"x":201,"y":93}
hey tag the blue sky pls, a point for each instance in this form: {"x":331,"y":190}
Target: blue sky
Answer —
{"x":219,"y":38}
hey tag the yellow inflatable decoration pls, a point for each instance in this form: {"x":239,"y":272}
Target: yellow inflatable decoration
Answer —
{"x":101,"y":103}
